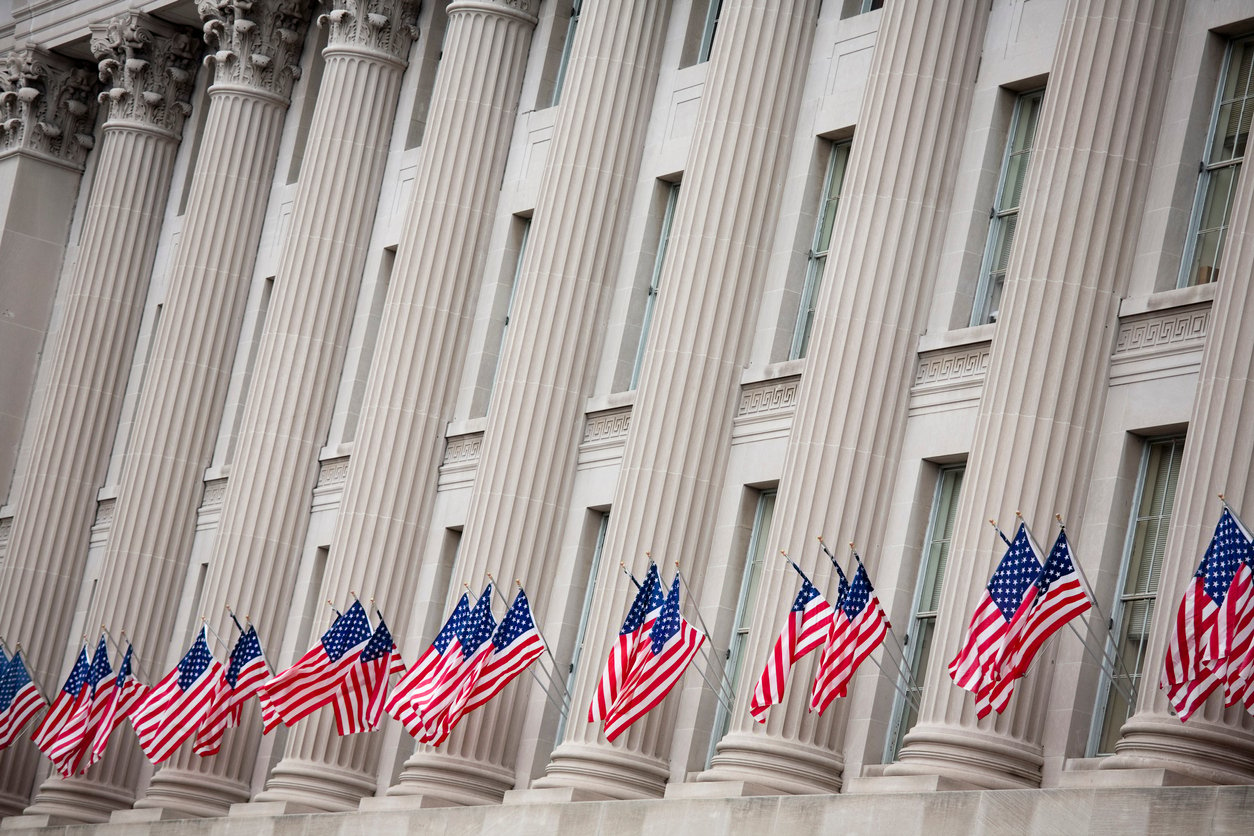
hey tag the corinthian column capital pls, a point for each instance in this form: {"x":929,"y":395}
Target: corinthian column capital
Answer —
{"x":527,"y":10}
{"x":47,"y":105}
{"x":258,"y":42}
{"x":386,"y":26}
{"x":150,"y":67}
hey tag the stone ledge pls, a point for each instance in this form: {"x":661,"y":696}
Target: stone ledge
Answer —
{"x":1127,"y":778}
{"x":401,"y":803}
{"x":904,"y":784}
{"x":552,"y":795}
{"x":720,"y":789}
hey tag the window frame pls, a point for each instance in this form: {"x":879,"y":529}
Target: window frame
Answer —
{"x":655,"y":280}
{"x":816,"y":260}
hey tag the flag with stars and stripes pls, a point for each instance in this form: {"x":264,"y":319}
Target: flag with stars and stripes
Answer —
{"x":635,"y":631}
{"x":1236,"y":625}
{"x":1197,"y":651}
{"x":73,"y":739}
{"x":658,"y":665}
{"x":316,"y":678}
{"x":1058,"y":595}
{"x":359,"y":704}
{"x":859,"y":626}
{"x":1003,"y":596}
{"x":516,"y":644}
{"x":441,"y":705}
{"x":177,"y":705}
{"x":73,"y":695}
{"x":118,"y":695}
{"x":416,"y":680}
{"x":807,"y":628}
{"x":19,"y":699}
{"x":245,"y":672}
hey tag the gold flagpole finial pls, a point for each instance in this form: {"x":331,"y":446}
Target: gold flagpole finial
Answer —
{"x":518,"y":582}
{"x":820,"y":538}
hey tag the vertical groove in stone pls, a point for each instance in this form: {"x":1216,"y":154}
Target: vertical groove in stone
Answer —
{"x":1034,"y":436}
{"x":530,"y":447}
{"x":420,"y":350}
{"x":288,"y":407}
{"x":682,"y":418}
{"x":851,"y":404}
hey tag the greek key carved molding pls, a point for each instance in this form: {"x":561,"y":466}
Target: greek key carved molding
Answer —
{"x":215,"y":492}
{"x":150,"y":67}
{"x":610,"y":425}
{"x":333,"y":472}
{"x":463,"y":449}
{"x":104,"y":512}
{"x":257,"y":42}
{"x":6,"y":529}
{"x":47,"y":105}
{"x":387,"y":26}
{"x":768,"y":396}
{"x":964,"y":363}
{"x":1163,"y":328}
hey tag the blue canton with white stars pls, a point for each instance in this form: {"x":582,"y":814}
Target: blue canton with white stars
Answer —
{"x":100,"y":667}
{"x":1016,"y":572}
{"x":478,"y":626}
{"x":667,"y":624}
{"x":516,"y":622}
{"x":124,"y":670}
{"x":805,"y":595}
{"x":455,"y":621}
{"x":843,"y":588}
{"x":1056,"y":565}
{"x":78,"y":676}
{"x":194,"y":663}
{"x":380,"y":644}
{"x":648,"y":599}
{"x":14,"y":679}
{"x":1227,"y":551}
{"x":349,"y":630}
{"x":858,"y":594}
{"x":247,"y":648}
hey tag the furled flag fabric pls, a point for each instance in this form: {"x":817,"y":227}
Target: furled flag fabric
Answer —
{"x":73,"y":694}
{"x":177,"y":705}
{"x":809,"y":623}
{"x":244,"y":673}
{"x":117,"y":696}
{"x":73,"y":738}
{"x":859,"y":626}
{"x":635,"y":630}
{"x":1197,"y":650}
{"x":1058,"y":595}
{"x":19,"y":699}
{"x":659,"y":663}
{"x":401,"y":703}
{"x":1005,"y":592}
{"x":1236,"y":623}
{"x":516,"y":644}
{"x":442,"y":705}
{"x":315,"y":679}
{"x":359,"y":705}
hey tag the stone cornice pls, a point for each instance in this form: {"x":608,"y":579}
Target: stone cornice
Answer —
{"x":257,"y":42}
{"x":150,"y":67}
{"x":47,"y":106}
{"x":386,"y":26}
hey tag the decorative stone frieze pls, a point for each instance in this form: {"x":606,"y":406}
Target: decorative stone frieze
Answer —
{"x":150,"y":67}
{"x":1175,"y":328}
{"x":961,"y":364}
{"x":611,"y":425}
{"x":386,"y":26}
{"x":462,"y":449}
{"x":333,"y":472}
{"x":768,"y":396}
{"x":47,"y":105}
{"x":258,"y":42}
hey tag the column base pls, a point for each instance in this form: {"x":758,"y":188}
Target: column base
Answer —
{"x":969,"y":756}
{"x":317,"y":786}
{"x":1212,"y":752}
{"x":459,"y":782}
{"x":790,"y":768}
{"x":191,"y":794}
{"x":614,"y":773}
{"x":79,"y":800}
{"x":1127,"y":778}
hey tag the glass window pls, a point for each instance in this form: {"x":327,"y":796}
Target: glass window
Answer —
{"x":575,"y":8}
{"x":871,"y":5}
{"x":664,"y":237}
{"x":754,"y":559}
{"x":707,"y":34}
{"x":1004,"y":217}
{"x":837,"y":162}
{"x":1134,"y":610}
{"x":581,"y":634}
{"x":1221,"y":167}
{"x":918,"y":641}
{"x":513,"y":289}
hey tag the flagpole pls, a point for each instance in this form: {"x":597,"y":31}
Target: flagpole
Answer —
{"x":139,"y":662}
{"x":718,"y":689}
{"x":543,"y":638}
{"x":564,"y":705}
{"x":205,"y":624}
{"x":709,"y":634}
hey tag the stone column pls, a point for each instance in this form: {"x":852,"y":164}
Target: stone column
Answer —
{"x":149,"y":68}
{"x":47,"y":115}
{"x":266,"y":508}
{"x":421,"y":347}
{"x":1040,"y":409}
{"x":176,"y":420}
{"x":1216,"y":744}
{"x":851,"y":406}
{"x":689,"y":386}
{"x":535,"y":422}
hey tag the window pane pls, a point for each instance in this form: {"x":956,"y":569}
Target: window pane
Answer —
{"x":571,"y":25}
{"x":829,"y":201}
{"x":1219,"y":187}
{"x":707,"y":34}
{"x":1235,"y":109}
{"x":664,"y":237}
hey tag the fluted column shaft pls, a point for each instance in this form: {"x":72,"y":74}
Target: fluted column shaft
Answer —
{"x":535,"y":422}
{"x":1216,"y":744}
{"x":266,"y":508}
{"x":179,"y":407}
{"x":682,"y":418}
{"x":72,"y":432}
{"x":1037,"y":425}
{"x":421,"y":347}
{"x":851,"y":404}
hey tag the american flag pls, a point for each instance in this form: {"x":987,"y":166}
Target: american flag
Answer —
{"x":19,"y":699}
{"x":1005,"y":592}
{"x":401,"y":704}
{"x":244,"y":673}
{"x":73,"y":738}
{"x":440,"y":706}
{"x":177,"y":705}
{"x":1236,"y":619}
{"x":359,"y":705}
{"x":644,"y":611}
{"x":1196,"y":661}
{"x":859,"y":626}
{"x":516,"y":644}
{"x":118,"y":695}
{"x":73,"y":694}
{"x":809,"y":623}
{"x":1058,"y":595}
{"x":315,"y":679}
{"x":673,"y":643}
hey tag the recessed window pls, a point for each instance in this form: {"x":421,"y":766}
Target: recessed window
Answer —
{"x":664,"y":237}
{"x":833,"y":181}
{"x":707,"y":33}
{"x":572,"y":23}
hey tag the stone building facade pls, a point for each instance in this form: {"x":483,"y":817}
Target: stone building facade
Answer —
{"x":303,"y":300}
